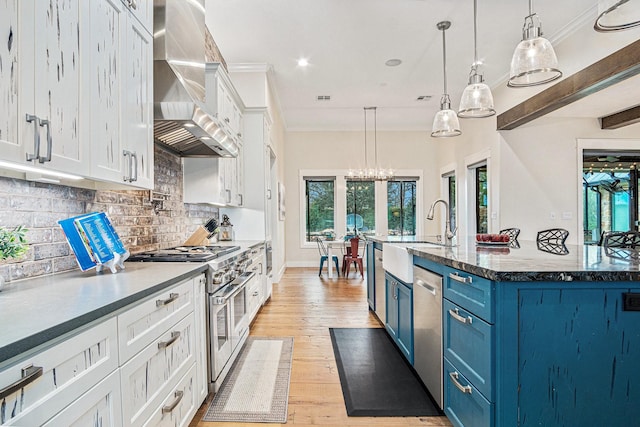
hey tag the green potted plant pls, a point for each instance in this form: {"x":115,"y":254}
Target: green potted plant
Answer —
{"x":13,"y":244}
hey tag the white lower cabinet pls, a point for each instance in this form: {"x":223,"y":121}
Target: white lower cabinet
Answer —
{"x":47,"y":382}
{"x":101,"y":406}
{"x":150,"y":375}
{"x":180,"y":406}
{"x":147,"y":366}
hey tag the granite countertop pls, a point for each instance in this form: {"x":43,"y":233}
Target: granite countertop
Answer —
{"x":529,"y":263}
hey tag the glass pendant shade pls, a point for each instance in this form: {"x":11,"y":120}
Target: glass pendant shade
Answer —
{"x":534,"y":61}
{"x":616,"y":15}
{"x":445,"y":123}
{"x":477,"y":99}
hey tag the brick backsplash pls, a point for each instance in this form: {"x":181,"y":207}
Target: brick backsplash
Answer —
{"x":141,"y":226}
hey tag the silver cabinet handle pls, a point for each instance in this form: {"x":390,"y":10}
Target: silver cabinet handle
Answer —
{"x":127,"y":154}
{"x":174,"y":337}
{"x":226,"y":119}
{"x":458,"y":278}
{"x":178,"y":397}
{"x":241,"y":199}
{"x":269,"y":193}
{"x":260,"y":268}
{"x":239,"y":134}
{"x":49,"y":142}
{"x":172,"y":298}
{"x":134,"y":162}
{"x":228,"y":195}
{"x":427,"y":286}
{"x":453,"y":312}
{"x":133,"y":4}
{"x":36,"y":138}
{"x":463,"y":388}
{"x":255,"y":294}
{"x":28,"y":375}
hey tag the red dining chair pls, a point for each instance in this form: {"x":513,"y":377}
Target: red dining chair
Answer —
{"x":353,"y":256}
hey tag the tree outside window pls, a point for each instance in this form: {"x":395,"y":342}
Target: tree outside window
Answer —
{"x":361,"y":207}
{"x":401,"y":208}
{"x":320,"y":209}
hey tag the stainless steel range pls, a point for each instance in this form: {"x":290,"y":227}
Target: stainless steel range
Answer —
{"x":227,"y":300}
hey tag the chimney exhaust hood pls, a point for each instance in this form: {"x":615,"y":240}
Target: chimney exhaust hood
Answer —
{"x":182,"y":119}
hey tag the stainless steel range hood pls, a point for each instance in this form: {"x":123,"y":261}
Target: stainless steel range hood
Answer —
{"x":183,"y":122}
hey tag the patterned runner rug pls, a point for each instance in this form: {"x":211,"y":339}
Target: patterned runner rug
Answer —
{"x":256,"y":389}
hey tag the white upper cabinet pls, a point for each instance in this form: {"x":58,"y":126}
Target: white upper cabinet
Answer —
{"x":142,"y":10}
{"x":10,"y":66}
{"x":108,"y":20}
{"x":76,"y":90}
{"x":120,"y":83}
{"x":40,"y":77}
{"x":225,"y":102}
{"x":138,"y":105}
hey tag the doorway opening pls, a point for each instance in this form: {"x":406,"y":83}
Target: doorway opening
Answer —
{"x":610,"y":192}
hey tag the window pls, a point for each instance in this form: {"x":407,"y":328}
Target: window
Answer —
{"x":319,"y":208}
{"x":401,"y":206}
{"x":609,"y":192}
{"x":361,"y":207}
{"x":451,"y":192}
{"x":481,"y":199}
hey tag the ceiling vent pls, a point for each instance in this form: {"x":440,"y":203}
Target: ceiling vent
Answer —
{"x":423,"y":98}
{"x":323,"y":98}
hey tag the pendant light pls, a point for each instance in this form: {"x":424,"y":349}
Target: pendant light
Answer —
{"x":616,"y":15}
{"x":375,"y":173}
{"x":534,"y":61}
{"x":477,"y":100}
{"x":445,"y":123}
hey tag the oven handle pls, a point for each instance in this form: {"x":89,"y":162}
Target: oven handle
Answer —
{"x":235,"y":290}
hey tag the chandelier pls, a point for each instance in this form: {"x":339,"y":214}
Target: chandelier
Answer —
{"x":370,"y":173}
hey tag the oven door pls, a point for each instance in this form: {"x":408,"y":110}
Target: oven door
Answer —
{"x":220,"y":328}
{"x":239,"y":303}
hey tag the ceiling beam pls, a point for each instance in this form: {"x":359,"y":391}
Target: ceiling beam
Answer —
{"x":620,"y":119}
{"x":618,"y":66}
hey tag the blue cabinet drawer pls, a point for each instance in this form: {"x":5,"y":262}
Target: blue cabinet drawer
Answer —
{"x":473,"y":293}
{"x":468,"y":344}
{"x":464,"y":405}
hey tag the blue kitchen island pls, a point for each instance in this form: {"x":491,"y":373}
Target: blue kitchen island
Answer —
{"x":538,"y":336}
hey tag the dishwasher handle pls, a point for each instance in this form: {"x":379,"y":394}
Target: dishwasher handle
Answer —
{"x":427,"y":286}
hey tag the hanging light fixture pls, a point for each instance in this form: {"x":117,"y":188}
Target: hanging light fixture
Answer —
{"x":534,"y":61}
{"x":477,"y":100}
{"x":376,"y":173}
{"x":446,"y":122}
{"x":616,"y":15}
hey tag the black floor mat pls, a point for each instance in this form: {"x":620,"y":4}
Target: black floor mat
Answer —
{"x":376,"y":379}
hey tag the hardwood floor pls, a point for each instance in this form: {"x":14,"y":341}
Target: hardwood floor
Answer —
{"x":305,"y":306}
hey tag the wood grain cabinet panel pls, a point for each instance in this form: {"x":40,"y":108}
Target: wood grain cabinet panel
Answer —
{"x":69,"y":369}
{"x":151,"y":374}
{"x":145,"y":322}
{"x":101,"y":407}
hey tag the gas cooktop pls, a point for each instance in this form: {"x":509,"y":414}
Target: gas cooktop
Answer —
{"x":184,"y":254}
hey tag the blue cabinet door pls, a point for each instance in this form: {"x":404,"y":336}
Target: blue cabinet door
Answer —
{"x":405,"y":320}
{"x":371,"y":291}
{"x":391,"y":286}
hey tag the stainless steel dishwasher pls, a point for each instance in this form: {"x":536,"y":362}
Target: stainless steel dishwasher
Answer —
{"x":379,"y":286}
{"x":427,"y":330}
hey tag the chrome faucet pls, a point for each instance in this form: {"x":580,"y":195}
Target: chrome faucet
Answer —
{"x":449,"y":233}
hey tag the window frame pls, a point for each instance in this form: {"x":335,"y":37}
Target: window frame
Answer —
{"x":472,"y":162}
{"x":340,"y":200}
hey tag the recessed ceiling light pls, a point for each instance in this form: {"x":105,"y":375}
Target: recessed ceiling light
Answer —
{"x":393,"y":62}
{"x":303,"y":62}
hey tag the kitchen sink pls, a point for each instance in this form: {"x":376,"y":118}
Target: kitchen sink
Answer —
{"x":398,"y":261}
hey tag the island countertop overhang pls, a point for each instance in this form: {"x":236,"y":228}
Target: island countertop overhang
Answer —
{"x":526,"y":262}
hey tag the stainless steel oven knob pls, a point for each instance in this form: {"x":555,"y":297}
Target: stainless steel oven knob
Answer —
{"x":218,"y":277}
